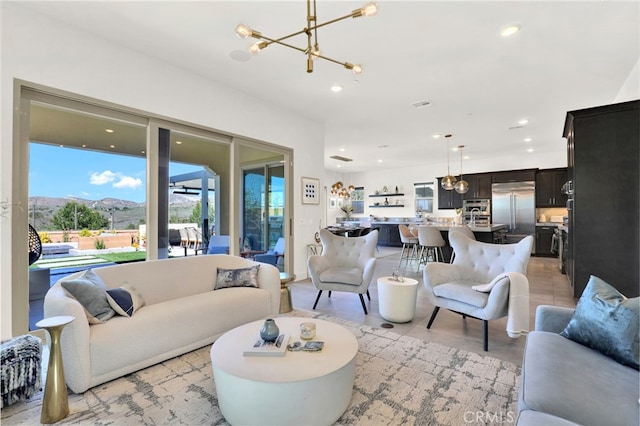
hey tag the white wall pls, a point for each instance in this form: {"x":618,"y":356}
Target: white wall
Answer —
{"x":630,"y":90}
{"x":37,"y":49}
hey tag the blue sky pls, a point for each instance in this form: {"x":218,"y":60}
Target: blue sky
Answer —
{"x":68,"y":172}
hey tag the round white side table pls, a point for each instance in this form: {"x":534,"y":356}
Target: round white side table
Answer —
{"x":397,"y":299}
{"x":300,"y":388}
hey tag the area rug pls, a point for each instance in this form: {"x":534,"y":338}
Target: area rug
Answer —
{"x":399,"y":380}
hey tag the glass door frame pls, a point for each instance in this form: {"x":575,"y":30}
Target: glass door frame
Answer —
{"x":237,"y":197}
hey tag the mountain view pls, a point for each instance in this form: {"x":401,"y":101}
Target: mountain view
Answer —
{"x":125,"y":214}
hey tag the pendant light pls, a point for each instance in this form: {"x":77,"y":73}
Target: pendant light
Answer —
{"x":462,"y":186}
{"x":448,"y":181}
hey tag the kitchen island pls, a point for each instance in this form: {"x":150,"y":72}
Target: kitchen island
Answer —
{"x":390,"y":235}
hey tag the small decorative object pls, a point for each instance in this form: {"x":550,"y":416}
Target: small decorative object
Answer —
{"x":307,"y":330}
{"x":269,"y":331}
{"x":377,"y":192}
{"x":347,"y":209}
{"x":385,"y":189}
{"x":316,"y":237}
{"x":396,"y":189}
{"x":377,"y":203}
{"x":386,"y":201}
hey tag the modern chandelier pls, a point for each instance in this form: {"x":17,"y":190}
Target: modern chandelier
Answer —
{"x":311,"y":30}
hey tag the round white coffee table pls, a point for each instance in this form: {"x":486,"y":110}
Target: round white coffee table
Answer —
{"x":310,"y":388}
{"x":397,"y":299}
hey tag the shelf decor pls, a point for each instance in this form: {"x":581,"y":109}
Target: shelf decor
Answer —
{"x":310,"y":190}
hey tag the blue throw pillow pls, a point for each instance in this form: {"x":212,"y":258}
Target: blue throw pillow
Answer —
{"x":605,"y":320}
{"x":125,"y":300}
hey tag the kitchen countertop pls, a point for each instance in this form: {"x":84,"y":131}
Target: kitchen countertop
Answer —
{"x":445,"y":227}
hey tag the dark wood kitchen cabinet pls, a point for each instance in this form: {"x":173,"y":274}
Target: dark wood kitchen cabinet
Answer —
{"x":549,"y":188}
{"x":524,"y":175}
{"x":603,"y":161}
{"x":479,"y":186}
{"x":544,"y":241}
{"x":448,"y":200}
{"x":388,"y":235}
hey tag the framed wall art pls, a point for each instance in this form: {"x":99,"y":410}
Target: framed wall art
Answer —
{"x":310,"y":190}
{"x":333,"y":202}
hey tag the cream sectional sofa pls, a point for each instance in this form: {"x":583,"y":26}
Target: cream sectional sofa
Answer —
{"x":181,"y":312}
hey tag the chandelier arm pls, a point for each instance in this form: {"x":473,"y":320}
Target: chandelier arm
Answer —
{"x":277,"y":41}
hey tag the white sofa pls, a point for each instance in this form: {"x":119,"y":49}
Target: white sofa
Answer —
{"x":182,"y":312}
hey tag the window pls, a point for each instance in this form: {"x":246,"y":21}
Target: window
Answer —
{"x":357,"y":199}
{"x":424,"y":197}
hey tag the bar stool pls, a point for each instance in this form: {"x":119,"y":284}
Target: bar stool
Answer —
{"x":409,"y":245}
{"x":431,"y":241}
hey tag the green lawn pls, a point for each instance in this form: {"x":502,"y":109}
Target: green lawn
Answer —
{"x":131,"y":256}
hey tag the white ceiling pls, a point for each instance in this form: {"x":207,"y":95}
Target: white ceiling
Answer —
{"x":568,"y":55}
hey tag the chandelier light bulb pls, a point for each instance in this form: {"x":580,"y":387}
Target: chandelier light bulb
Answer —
{"x":370,"y":9}
{"x":461,"y":186}
{"x":255,"y":48}
{"x":243,"y":31}
{"x":448,"y":182}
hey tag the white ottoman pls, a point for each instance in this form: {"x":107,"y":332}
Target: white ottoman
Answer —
{"x":397,"y":299}
{"x":300,"y":388}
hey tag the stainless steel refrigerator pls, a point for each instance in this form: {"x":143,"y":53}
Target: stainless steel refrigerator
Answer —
{"x":513,"y":204}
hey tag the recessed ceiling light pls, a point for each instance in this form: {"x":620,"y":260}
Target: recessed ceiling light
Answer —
{"x":84,"y":145}
{"x":336,"y":88}
{"x":530,"y":150}
{"x":109,"y":130}
{"x":342,"y":150}
{"x":178,"y":142}
{"x":338,"y":166}
{"x":436,"y":136}
{"x":528,"y":139}
{"x":510,"y":30}
{"x":379,"y":161}
{"x":523,"y":121}
{"x":466,"y":157}
{"x":112,"y":146}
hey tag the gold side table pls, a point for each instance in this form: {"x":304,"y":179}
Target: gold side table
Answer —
{"x":55,"y":405}
{"x":285,"y":293}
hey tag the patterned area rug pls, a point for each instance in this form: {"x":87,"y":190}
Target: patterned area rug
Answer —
{"x":399,"y":380}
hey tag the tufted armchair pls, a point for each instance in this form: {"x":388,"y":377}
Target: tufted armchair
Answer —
{"x":346,"y":264}
{"x":485,"y":281}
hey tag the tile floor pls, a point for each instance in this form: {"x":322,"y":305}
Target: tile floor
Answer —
{"x":546,"y":286}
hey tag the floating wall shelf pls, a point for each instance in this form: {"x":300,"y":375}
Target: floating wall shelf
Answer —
{"x":397,"y":194}
{"x":390,"y":205}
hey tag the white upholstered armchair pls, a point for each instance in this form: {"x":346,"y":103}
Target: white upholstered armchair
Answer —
{"x":346,"y":264}
{"x":485,"y":281}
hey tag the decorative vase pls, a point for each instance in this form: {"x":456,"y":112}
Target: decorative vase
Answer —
{"x":269,"y":331}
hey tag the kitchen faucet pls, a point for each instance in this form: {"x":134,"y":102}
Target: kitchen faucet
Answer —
{"x":473,"y":216}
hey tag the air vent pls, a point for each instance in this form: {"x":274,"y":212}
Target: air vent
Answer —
{"x":421,"y":104}
{"x":339,"y":157}
{"x":515,"y":127}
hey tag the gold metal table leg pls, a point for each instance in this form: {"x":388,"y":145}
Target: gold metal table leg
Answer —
{"x":55,"y":405}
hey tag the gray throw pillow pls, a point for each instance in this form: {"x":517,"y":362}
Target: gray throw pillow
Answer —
{"x":605,"y":320}
{"x":241,"y":277}
{"x":91,"y":292}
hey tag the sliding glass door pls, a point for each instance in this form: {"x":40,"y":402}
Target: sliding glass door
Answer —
{"x":263,"y":207}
